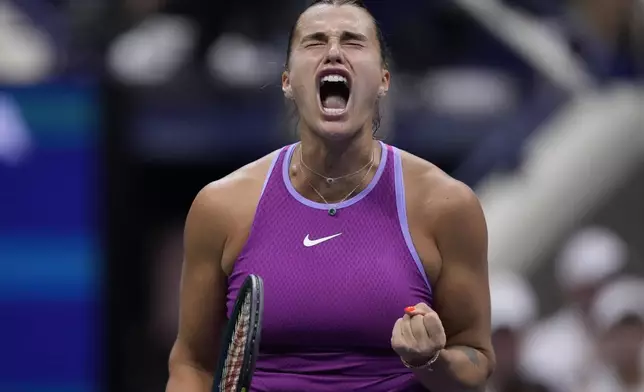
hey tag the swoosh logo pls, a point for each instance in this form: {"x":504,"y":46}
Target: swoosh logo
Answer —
{"x":309,"y":242}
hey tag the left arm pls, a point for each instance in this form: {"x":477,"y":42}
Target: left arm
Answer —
{"x":461,"y":321}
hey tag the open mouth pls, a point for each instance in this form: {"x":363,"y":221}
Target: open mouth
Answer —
{"x":334,"y":93}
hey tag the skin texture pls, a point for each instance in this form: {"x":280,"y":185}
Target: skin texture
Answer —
{"x":445,"y":219}
{"x":449,"y":231}
{"x":339,"y":37}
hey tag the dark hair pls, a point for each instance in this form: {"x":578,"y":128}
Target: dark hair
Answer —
{"x":384,"y":49}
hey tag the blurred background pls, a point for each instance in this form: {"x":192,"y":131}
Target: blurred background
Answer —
{"x":113,"y":114}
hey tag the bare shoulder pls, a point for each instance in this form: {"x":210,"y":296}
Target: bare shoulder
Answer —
{"x":433,"y":192}
{"x":223,"y":204}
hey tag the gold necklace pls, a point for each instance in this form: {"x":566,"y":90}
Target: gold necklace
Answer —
{"x":332,"y":180}
{"x":333,"y":206}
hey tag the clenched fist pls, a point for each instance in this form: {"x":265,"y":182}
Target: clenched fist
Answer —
{"x":418,"y":336}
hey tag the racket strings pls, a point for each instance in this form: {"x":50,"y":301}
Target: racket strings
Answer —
{"x":235,"y":358}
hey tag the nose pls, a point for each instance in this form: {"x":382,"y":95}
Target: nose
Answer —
{"x":334,"y":54}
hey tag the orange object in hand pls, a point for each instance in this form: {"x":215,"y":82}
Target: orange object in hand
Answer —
{"x":410,"y":309}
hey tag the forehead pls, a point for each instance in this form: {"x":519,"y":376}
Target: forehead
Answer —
{"x":334,"y":20}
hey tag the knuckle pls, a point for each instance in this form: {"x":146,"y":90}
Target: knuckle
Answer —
{"x":417,"y":350}
{"x":432,"y":319}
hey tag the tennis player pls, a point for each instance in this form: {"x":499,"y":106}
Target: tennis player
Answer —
{"x":374,"y":261}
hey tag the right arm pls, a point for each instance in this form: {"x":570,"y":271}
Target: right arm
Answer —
{"x":202,"y":312}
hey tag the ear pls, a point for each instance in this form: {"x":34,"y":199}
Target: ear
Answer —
{"x":384,"y":83}
{"x":286,"y":85}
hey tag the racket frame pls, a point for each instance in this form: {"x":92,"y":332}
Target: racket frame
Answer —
{"x":254,"y":286}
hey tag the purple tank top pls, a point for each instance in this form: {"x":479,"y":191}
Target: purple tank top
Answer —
{"x":334,"y":285}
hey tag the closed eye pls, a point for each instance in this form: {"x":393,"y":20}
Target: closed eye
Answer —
{"x":314,"y":44}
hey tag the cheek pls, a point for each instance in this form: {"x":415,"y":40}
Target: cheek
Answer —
{"x":369,"y":77}
{"x":299,"y":87}
{"x":302,"y":80}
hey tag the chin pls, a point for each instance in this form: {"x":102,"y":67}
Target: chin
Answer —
{"x":337,"y":131}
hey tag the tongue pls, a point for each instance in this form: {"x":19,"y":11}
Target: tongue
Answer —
{"x":334,"y":102}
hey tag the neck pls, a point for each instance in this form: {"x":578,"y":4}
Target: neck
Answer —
{"x":336,"y":158}
{"x":333,"y":159}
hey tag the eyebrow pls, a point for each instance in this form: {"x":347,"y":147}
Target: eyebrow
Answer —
{"x":345,"y":36}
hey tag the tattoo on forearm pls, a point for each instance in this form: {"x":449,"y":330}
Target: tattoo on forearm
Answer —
{"x":471,"y":354}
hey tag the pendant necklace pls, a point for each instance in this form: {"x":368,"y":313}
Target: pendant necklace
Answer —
{"x":333,"y":180}
{"x":333,"y":210}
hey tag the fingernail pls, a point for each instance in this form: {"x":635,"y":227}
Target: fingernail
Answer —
{"x":410,"y":309}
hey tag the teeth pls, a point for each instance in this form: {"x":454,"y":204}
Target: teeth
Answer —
{"x":334,"y":110}
{"x":334,"y":78}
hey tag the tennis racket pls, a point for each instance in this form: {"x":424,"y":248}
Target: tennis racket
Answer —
{"x":241,"y":339}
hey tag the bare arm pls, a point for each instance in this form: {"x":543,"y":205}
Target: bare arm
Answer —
{"x":462,"y":296}
{"x":203,"y":294}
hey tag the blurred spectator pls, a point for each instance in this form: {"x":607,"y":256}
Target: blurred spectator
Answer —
{"x":28,"y":55}
{"x":514,"y":308}
{"x":558,"y":348}
{"x":241,"y":44}
{"x":601,"y":32}
{"x":619,"y":316}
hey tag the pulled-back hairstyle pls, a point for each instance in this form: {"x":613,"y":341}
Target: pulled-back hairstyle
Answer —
{"x":384,"y":50}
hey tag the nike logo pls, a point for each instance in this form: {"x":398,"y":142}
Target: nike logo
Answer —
{"x":309,"y":242}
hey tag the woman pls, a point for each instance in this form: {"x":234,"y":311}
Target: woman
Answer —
{"x":373,"y":260}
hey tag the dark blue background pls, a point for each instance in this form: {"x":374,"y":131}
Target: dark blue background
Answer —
{"x":50,"y":261}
